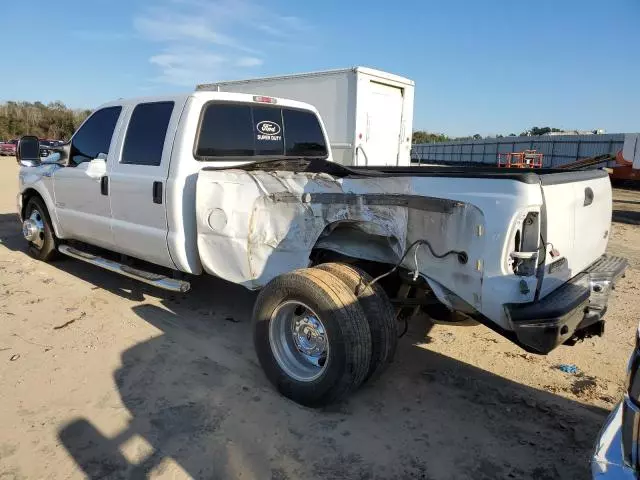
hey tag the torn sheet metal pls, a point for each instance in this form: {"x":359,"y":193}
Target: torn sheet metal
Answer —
{"x":256,"y":225}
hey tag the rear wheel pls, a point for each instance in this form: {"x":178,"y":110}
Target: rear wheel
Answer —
{"x":378,"y":310}
{"x":311,"y":337}
{"x":38,"y":231}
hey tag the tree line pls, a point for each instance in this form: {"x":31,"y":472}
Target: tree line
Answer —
{"x":52,"y":121}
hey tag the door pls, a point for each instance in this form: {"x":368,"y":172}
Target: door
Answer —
{"x":82,"y":206}
{"x":137,"y":183}
{"x":384,"y":124}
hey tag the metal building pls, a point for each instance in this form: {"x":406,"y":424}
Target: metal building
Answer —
{"x":557,"y":149}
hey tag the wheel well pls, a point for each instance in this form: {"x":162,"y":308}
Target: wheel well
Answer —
{"x":27,"y":195}
{"x":360,"y":240}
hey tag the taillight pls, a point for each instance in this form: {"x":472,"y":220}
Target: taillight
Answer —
{"x":526,"y":248}
{"x":263,"y":99}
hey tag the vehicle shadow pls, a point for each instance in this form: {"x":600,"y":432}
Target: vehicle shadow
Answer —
{"x":199,"y":399}
{"x":626,"y":216}
{"x":197,"y":396}
{"x":11,"y":232}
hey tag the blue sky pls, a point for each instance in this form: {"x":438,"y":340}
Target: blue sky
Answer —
{"x":480,"y":66}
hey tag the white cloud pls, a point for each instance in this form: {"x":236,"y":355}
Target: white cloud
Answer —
{"x":165,"y":26}
{"x":180,"y":67}
{"x":188,"y":66}
{"x":99,"y":35}
{"x":283,"y":27}
{"x":205,"y":41}
{"x":248,"y":62}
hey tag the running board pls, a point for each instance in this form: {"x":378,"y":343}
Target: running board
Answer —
{"x":154,"y":279}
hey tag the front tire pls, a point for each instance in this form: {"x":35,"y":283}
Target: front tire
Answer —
{"x":311,"y":337}
{"x":38,"y":231}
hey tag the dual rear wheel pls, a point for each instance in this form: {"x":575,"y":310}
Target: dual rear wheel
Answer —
{"x":321,"y":332}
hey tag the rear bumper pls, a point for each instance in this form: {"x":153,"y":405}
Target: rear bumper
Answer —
{"x":575,"y":309}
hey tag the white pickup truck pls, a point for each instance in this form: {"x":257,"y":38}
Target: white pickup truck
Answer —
{"x":243,"y":187}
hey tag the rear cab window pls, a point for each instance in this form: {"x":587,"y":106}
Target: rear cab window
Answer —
{"x":258,"y":131}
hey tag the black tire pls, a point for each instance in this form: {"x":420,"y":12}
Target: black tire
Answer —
{"x":378,"y":310}
{"x":347,"y":334}
{"x":48,"y":250}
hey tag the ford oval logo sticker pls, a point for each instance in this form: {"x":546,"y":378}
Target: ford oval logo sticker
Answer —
{"x":268,"y":128}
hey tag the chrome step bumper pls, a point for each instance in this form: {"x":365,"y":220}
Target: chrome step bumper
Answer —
{"x":580,"y":303}
{"x":150,"y":278}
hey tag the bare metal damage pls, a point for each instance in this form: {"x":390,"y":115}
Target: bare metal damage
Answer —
{"x":270,"y":221}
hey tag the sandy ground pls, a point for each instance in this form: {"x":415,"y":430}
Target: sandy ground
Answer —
{"x":102,"y":377}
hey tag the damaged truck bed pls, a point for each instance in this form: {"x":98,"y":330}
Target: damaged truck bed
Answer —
{"x":487,"y":241}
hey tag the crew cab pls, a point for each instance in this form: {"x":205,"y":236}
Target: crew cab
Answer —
{"x":243,"y":187}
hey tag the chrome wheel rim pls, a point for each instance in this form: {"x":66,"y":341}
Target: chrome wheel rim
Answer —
{"x":299,"y":341}
{"x":33,"y":229}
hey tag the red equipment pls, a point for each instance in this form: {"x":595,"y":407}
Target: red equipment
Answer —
{"x":526,"y":159}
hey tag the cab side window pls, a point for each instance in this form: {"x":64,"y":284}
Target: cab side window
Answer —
{"x":146,"y":133}
{"x":94,"y":137}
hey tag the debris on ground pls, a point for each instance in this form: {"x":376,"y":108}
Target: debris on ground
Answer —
{"x":568,"y":368}
{"x":73,"y":320}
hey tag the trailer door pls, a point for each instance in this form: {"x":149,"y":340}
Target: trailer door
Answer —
{"x":384,"y":125}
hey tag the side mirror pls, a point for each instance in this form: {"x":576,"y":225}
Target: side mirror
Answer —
{"x":28,"y":151}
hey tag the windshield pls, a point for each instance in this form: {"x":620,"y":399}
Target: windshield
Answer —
{"x":246,"y":130}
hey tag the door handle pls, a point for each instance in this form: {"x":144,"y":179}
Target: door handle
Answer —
{"x":104,"y":185}
{"x":588,"y":196}
{"x":157,"y":192}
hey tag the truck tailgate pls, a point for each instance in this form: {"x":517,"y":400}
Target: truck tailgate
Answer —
{"x":578,"y":222}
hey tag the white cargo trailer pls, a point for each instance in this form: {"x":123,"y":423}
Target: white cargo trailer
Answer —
{"x":368,"y":113}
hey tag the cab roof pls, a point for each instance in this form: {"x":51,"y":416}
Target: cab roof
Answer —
{"x":206,"y":96}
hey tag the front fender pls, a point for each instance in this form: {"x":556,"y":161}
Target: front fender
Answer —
{"x":39,"y":181}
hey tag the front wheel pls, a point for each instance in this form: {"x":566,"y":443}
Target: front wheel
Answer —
{"x":312,"y":337}
{"x":38,"y":231}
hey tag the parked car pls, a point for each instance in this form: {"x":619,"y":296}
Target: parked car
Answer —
{"x":617,"y":452}
{"x":9,"y":148}
{"x":243,"y":187}
{"x":47,"y":145}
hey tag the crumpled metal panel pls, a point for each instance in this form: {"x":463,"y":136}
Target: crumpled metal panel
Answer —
{"x":255,"y":225}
